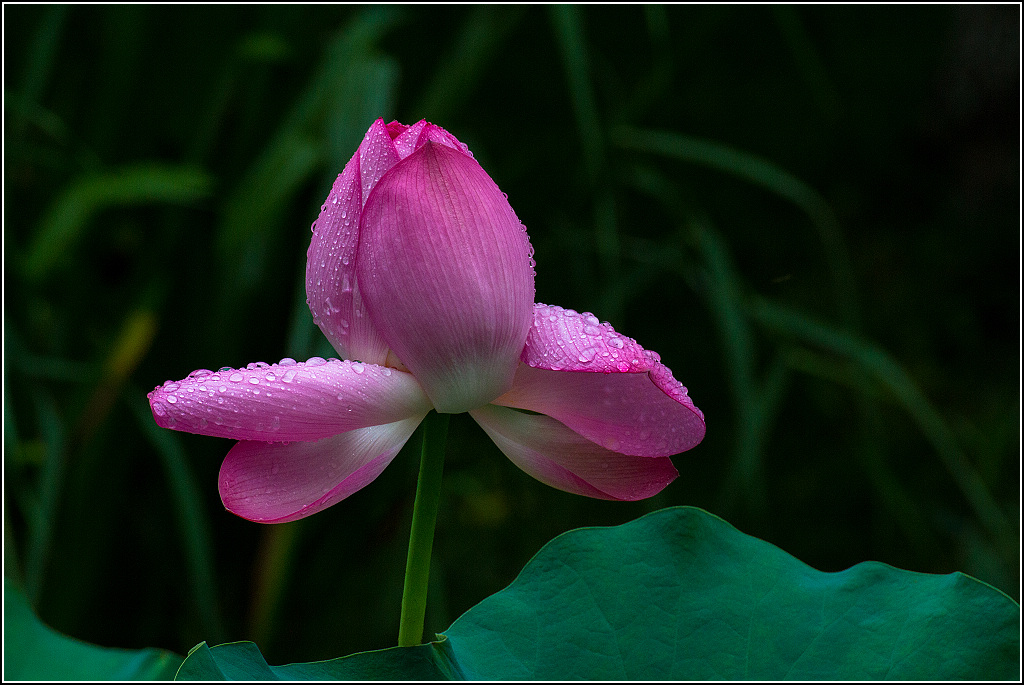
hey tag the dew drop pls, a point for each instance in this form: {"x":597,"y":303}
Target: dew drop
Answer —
{"x":587,"y":354}
{"x":171,"y":399}
{"x":271,"y":377}
{"x":316,"y":361}
{"x":254,"y":380}
{"x":616,"y":342}
{"x":159,"y":409}
{"x":358,"y":368}
{"x":386,"y":371}
{"x":235,"y":378}
{"x":170,"y":386}
{"x":223,"y":388}
{"x":287,"y":361}
{"x":289,"y":376}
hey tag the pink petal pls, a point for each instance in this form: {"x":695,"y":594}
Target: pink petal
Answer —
{"x":331,"y":287}
{"x":444,"y":267}
{"x":603,"y":386}
{"x":406,"y":137}
{"x":288,"y":401}
{"x":278,"y":482}
{"x":557,"y":456}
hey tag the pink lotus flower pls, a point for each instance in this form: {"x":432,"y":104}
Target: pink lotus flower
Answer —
{"x":419,"y":269}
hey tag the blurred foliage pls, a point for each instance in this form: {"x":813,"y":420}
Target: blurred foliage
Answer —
{"x":810,"y":212}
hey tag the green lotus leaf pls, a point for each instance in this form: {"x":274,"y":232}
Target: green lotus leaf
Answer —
{"x":34,"y":651}
{"x":682,"y":595}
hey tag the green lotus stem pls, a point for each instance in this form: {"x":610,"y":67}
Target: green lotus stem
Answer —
{"x":421,"y":537}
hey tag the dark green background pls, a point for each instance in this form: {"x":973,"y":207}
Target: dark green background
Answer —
{"x":163,"y":166}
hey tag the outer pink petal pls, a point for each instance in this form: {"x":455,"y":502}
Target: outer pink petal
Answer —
{"x":331,"y":287}
{"x":275,"y":482}
{"x":291,"y":401}
{"x":603,"y":386}
{"x":553,"y":454}
{"x":444,"y":267}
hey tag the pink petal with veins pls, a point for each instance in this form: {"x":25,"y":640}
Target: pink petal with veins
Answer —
{"x":603,"y":385}
{"x":557,"y":456}
{"x":279,"y":482}
{"x":444,"y":267}
{"x":331,"y":288}
{"x":292,"y":401}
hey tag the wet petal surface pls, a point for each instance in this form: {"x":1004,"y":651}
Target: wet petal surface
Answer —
{"x":603,"y":385}
{"x":288,"y":401}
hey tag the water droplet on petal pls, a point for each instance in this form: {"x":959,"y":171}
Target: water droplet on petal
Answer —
{"x":287,"y":361}
{"x":171,"y":399}
{"x":235,"y":378}
{"x":254,"y":380}
{"x":289,"y":376}
{"x":159,"y":409}
{"x":316,"y":361}
{"x":271,"y":377}
{"x":358,"y":368}
{"x":616,"y":342}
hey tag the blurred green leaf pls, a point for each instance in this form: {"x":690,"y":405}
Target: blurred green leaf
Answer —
{"x":351,"y":73}
{"x":190,"y":514}
{"x":69,"y":214}
{"x":879,"y":365}
{"x":760,"y":172}
{"x":681,"y":594}
{"x":34,"y":651}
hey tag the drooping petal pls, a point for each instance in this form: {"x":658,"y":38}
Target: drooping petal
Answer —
{"x":279,"y":482}
{"x":292,"y":401}
{"x":332,"y":290}
{"x":444,"y":267}
{"x":557,"y":456}
{"x":603,"y":385}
